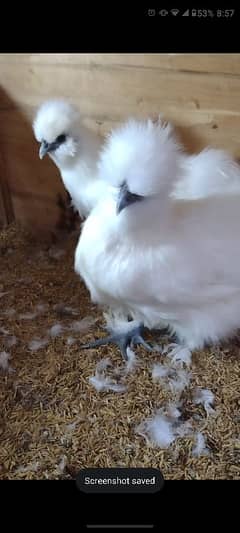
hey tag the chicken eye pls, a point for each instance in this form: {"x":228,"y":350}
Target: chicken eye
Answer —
{"x":61,"y":138}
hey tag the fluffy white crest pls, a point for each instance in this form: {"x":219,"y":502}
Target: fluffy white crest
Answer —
{"x":54,"y":118}
{"x":142,"y":154}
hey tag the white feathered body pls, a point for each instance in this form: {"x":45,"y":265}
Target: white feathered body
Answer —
{"x":187,"y":276}
{"x":76,"y":156}
{"x":166,"y":260}
{"x":211,"y":172}
{"x":80,"y":175}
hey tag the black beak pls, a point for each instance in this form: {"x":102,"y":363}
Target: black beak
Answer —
{"x":126,"y":198}
{"x":45,"y":148}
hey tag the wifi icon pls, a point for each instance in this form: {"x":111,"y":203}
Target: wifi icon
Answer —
{"x":174,"y":12}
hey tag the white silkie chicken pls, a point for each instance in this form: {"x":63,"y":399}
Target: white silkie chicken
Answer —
{"x":73,"y":148}
{"x":75,"y":151}
{"x":163,"y":261}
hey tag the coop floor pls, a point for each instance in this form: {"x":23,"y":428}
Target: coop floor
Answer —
{"x":52,"y":420}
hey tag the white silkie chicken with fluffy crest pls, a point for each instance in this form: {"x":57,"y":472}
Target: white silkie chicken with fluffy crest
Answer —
{"x":73,"y":148}
{"x":162,"y":260}
{"x":75,"y":151}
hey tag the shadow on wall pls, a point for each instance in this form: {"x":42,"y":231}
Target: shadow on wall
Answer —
{"x":192,"y":142}
{"x":31,"y":190}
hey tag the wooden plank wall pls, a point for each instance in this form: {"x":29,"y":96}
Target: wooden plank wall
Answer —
{"x":199,"y":93}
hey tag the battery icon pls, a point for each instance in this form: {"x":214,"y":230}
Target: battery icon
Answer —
{"x":194,"y":12}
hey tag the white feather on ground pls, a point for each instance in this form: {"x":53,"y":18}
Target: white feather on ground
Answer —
{"x":164,"y":427}
{"x":10,"y":341}
{"x":160,"y":371}
{"x":27,"y":316}
{"x":4,"y":331}
{"x":72,"y":425}
{"x":56,"y":330}
{"x":36,"y":344}
{"x":71,"y":341}
{"x":174,"y":379}
{"x":158,"y":348}
{"x":200,"y":446}
{"x":181,"y":381}
{"x":41,"y":308}
{"x":131,"y":362}
{"x":178,"y":354}
{"x":9,"y":312}
{"x":157,"y":431}
{"x":103,"y":364}
{"x":62,"y":464}
{"x":64,"y":310}
{"x":102,"y":382}
{"x":80,"y":326}
{"x":173,"y":410}
{"x":3,"y":294}
{"x":32,"y":467}
{"x":184,"y":429}
{"x":56,"y":253}
{"x":206,"y":398}
{"x":28,"y":280}
{"x":4,"y":358}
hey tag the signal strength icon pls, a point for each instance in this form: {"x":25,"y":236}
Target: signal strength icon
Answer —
{"x":175,"y":12}
{"x":186,"y":13}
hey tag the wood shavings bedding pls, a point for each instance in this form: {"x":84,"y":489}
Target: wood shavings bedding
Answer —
{"x":49,"y":388}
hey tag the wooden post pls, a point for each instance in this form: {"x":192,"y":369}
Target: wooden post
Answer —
{"x":6,"y":207}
